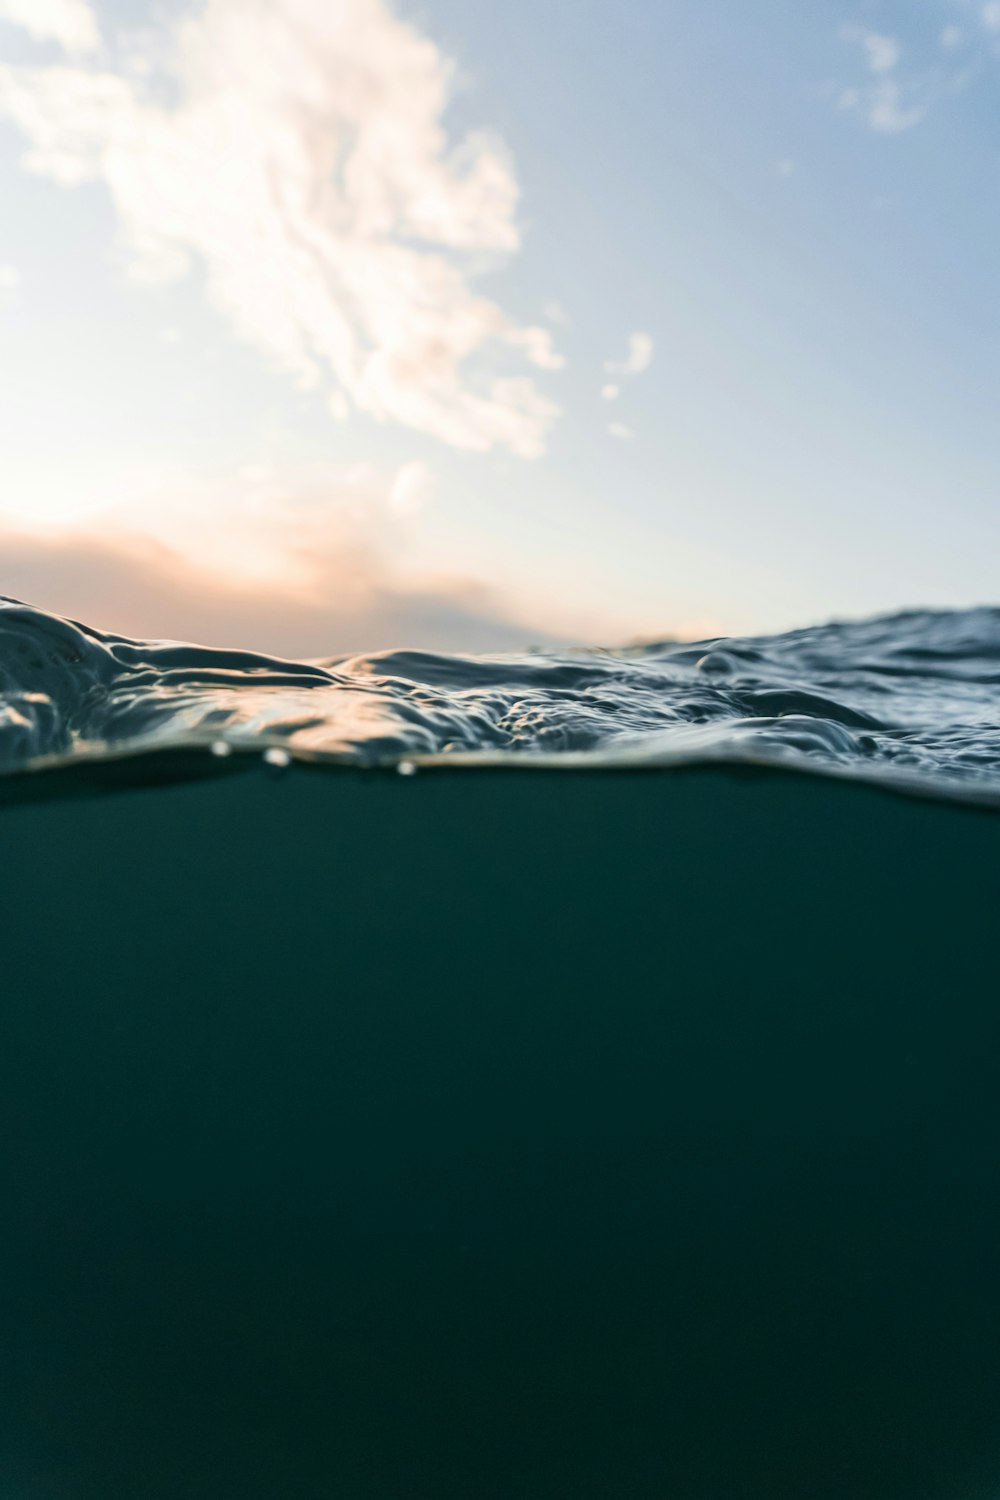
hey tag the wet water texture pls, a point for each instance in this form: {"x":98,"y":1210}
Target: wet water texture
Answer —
{"x":633,"y":1132}
{"x":908,"y":699}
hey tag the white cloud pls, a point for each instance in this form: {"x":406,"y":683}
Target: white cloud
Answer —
{"x":70,"y":23}
{"x":951,"y":37}
{"x":265,"y":521}
{"x":298,"y":559}
{"x":610,"y":392}
{"x":619,"y":430}
{"x":886,"y":111}
{"x":991,"y":15}
{"x":639,"y":357}
{"x":294,"y":149}
{"x":411,"y":489}
{"x":357,"y":601}
{"x":10,"y":278}
{"x":882,"y":102}
{"x":883,"y":51}
{"x":786,"y":167}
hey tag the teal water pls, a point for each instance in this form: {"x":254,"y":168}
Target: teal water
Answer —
{"x":629,"y":1132}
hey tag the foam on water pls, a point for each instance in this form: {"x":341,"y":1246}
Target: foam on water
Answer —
{"x":907,"y":699}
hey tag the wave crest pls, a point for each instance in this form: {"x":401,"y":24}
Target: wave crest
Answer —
{"x":907,"y":699}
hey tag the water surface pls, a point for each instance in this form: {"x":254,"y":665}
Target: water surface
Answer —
{"x":907,"y":699}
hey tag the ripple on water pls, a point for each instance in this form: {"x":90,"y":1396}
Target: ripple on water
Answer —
{"x":909,"y":697}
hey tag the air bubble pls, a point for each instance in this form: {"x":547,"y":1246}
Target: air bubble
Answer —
{"x":278,"y":758}
{"x":221,"y":748}
{"x":406,"y":768}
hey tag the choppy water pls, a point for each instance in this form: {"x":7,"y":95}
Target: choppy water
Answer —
{"x":909,"y":699}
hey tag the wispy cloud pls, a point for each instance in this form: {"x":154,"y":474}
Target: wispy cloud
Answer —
{"x":303,"y":561}
{"x":136,"y":588}
{"x":411,"y":489}
{"x":888,"y":113}
{"x":621,"y":431}
{"x":951,"y":37}
{"x":887,"y":107}
{"x":69,"y":23}
{"x":639,"y":357}
{"x":990,"y":14}
{"x":267,"y":523}
{"x":295,"y":150}
{"x":10,"y":279}
{"x":883,"y":51}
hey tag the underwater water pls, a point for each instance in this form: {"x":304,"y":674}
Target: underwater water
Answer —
{"x":629,"y":1132}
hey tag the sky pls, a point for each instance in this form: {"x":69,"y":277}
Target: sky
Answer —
{"x":333,"y":325}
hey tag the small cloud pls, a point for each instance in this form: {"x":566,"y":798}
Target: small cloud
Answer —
{"x":69,"y":23}
{"x":620,"y":431}
{"x":786,"y":167}
{"x":883,"y":51}
{"x":557,"y":314}
{"x":951,"y":37}
{"x":10,"y":278}
{"x":639,"y":357}
{"x":170,"y":336}
{"x":611,"y":392}
{"x":990,"y":14}
{"x":411,"y":489}
{"x":887,"y":113}
{"x":537,"y":345}
{"x":882,"y":102}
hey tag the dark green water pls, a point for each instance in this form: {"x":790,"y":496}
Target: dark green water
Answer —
{"x":496,"y":1135}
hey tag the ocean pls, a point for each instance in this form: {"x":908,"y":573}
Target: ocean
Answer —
{"x":565,"y":1075}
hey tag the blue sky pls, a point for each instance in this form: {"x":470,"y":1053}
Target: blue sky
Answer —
{"x":788,"y":212}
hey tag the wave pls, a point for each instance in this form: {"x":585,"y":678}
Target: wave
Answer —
{"x":907,"y":700}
